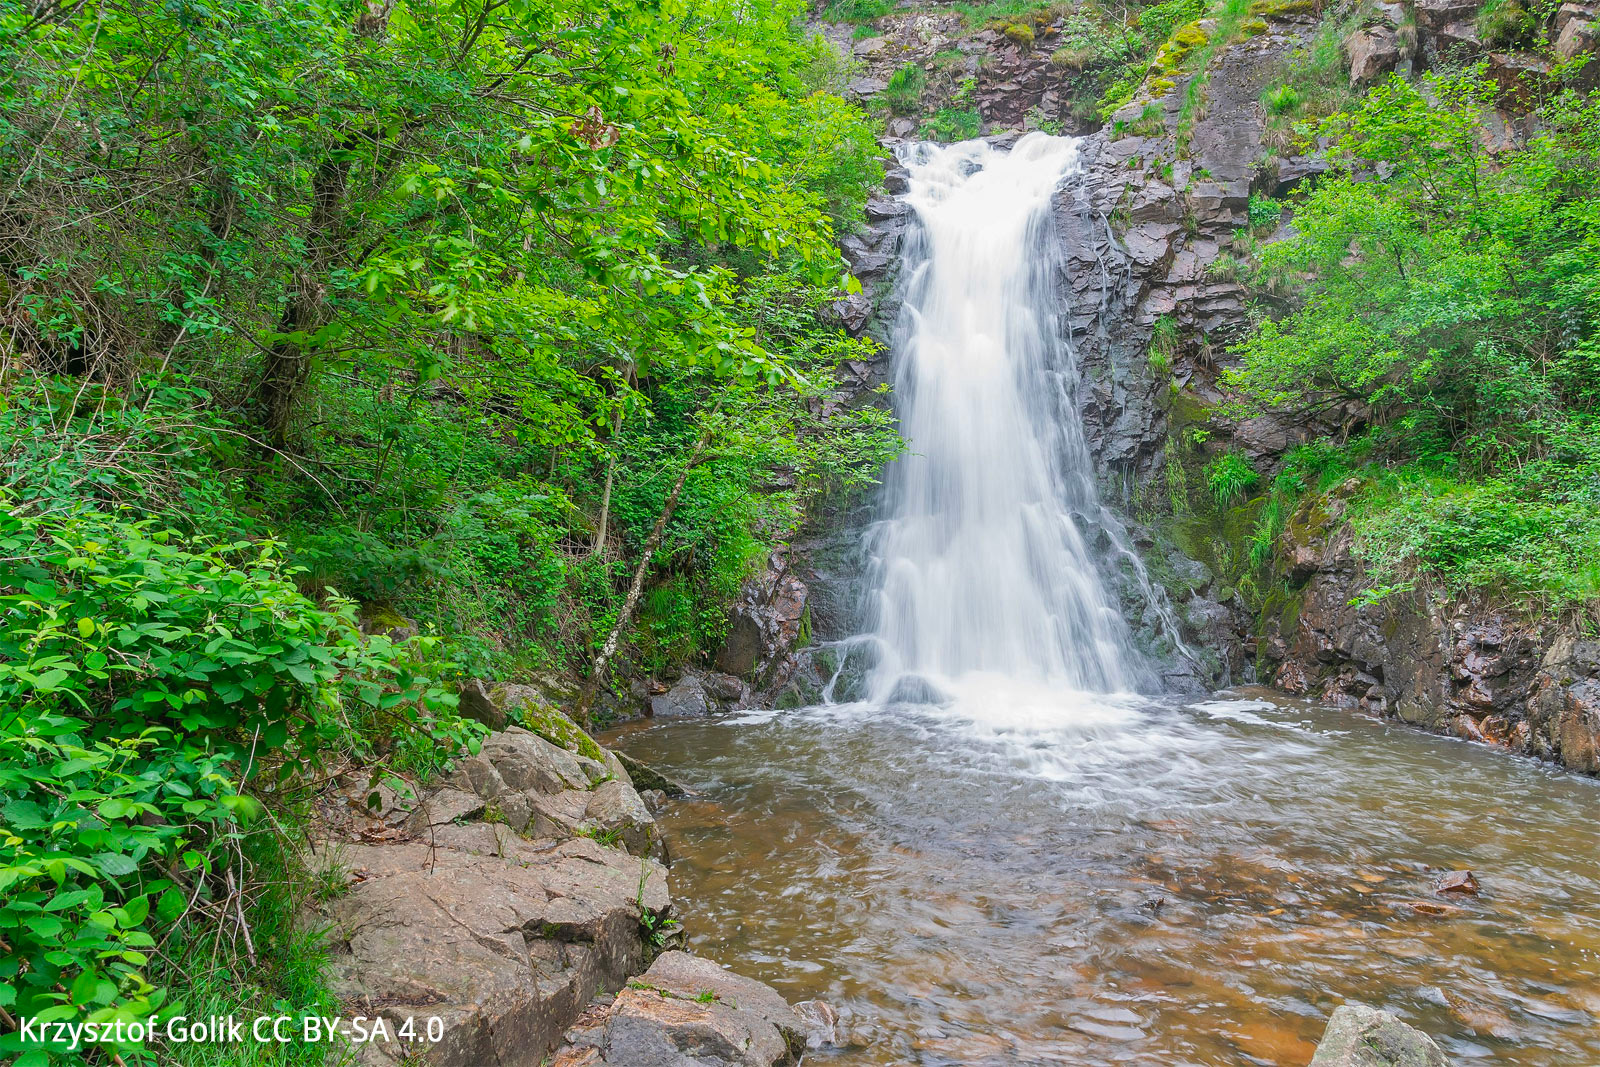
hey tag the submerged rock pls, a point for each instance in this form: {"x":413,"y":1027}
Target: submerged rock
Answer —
{"x":1359,"y":1036}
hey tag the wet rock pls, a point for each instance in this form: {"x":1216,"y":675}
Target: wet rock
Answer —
{"x":1359,"y":1036}
{"x":685,"y":700}
{"x":689,"y":1012}
{"x":1461,"y":882}
{"x":765,"y":624}
{"x":646,"y":777}
{"x":820,"y":1022}
{"x":1564,"y":703}
{"x":915,"y":689}
{"x":865,"y":261}
{"x":896,"y":180}
{"x":724,"y":686}
{"x":880,"y":208}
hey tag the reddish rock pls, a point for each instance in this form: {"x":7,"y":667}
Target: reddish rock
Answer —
{"x":1373,"y":52}
{"x":1461,"y":882}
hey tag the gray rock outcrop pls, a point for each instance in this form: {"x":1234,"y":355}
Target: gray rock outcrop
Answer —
{"x":1359,"y":1036}
{"x":499,"y":904}
{"x":686,"y":1011}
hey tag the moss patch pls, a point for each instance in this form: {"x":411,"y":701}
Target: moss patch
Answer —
{"x":550,"y":723}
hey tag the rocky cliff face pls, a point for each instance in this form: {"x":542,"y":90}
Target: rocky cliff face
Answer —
{"x":1452,"y":666}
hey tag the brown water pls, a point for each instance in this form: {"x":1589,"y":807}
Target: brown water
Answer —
{"x":1136,"y":883}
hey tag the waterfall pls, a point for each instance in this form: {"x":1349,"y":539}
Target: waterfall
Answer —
{"x":984,"y":569}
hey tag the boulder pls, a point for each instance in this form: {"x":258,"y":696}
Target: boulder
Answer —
{"x":689,"y":1012}
{"x":864,"y":88}
{"x":1577,"y":33}
{"x":685,"y":700}
{"x":502,"y":939}
{"x":1435,"y":15}
{"x":646,"y":777}
{"x":1359,"y":1036}
{"x":1373,"y":52}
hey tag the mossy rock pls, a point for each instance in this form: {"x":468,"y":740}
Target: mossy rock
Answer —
{"x":532,"y":710}
{"x":1019,"y":32}
{"x":1272,"y":8}
{"x":549,"y":723}
{"x":1189,"y":36}
{"x":1254,"y":27}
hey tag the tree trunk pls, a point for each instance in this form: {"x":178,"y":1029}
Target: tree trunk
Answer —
{"x":605,"y":497}
{"x":597,"y":673}
{"x":287,"y":366}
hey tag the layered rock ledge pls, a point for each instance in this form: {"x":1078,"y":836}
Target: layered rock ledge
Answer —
{"x":504,"y":901}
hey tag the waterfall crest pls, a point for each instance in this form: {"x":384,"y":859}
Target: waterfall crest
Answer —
{"x":983,"y":567}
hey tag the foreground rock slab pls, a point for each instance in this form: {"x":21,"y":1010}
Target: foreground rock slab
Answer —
{"x":1359,"y":1036}
{"x":688,"y":1012}
{"x":503,"y":939}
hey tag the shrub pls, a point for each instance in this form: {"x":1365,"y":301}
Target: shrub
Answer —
{"x":903,"y":96}
{"x":1163,"y":344}
{"x":149,"y":683}
{"x":1504,"y":23}
{"x":1282,"y":100}
{"x":950,"y":124}
{"x":1264,"y":212}
{"x":856,"y":10}
{"x":1229,"y":477}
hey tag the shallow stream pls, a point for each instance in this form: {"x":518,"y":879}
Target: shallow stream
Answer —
{"x":1156,"y":883}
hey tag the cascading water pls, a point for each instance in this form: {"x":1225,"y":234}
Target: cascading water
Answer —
{"x":983,"y":572}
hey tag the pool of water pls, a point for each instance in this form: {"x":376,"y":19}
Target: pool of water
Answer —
{"x":1066,"y":879}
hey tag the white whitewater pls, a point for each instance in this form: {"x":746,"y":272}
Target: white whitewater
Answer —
{"x":985,"y":578}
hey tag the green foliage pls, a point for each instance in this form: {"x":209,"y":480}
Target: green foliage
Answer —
{"x":1312,"y":82}
{"x":950,"y":124}
{"x":903,"y":96}
{"x":1281,"y":99}
{"x":429,"y":305}
{"x":1453,"y":305}
{"x":1500,"y":534}
{"x":147,"y":679}
{"x":1264,"y":213}
{"x":1164,"y":337}
{"x":856,"y":10}
{"x":1506,"y":23}
{"x":1229,"y":477}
